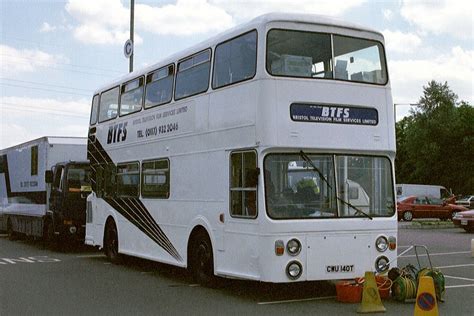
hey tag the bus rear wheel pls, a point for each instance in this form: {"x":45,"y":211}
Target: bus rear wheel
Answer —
{"x":111,"y":243}
{"x":202,"y":266}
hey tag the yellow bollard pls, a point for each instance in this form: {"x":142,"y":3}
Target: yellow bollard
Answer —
{"x":371,"y":302}
{"x":426,"y":297}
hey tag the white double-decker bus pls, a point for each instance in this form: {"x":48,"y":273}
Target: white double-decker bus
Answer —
{"x":265,"y":153}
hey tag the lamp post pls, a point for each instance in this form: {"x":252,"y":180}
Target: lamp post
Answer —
{"x":132,"y":13}
{"x":128,"y":47}
{"x":397,"y":104}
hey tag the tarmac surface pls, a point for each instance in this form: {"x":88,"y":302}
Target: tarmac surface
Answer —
{"x":35,"y":280}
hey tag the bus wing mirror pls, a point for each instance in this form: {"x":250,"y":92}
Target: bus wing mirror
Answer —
{"x":252,"y":177}
{"x":48,"y":176}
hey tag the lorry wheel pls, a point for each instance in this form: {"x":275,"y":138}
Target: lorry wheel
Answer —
{"x":111,"y":243}
{"x":202,"y":260}
{"x":407,"y":216}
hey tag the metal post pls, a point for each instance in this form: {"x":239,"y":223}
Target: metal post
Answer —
{"x":132,"y":9}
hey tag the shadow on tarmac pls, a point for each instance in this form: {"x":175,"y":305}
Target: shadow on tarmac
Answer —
{"x":180,"y":277}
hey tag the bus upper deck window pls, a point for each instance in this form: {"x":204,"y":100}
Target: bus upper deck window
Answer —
{"x":193,"y":75}
{"x":299,"y":54}
{"x":358,"y":59}
{"x":235,"y":60}
{"x":159,"y":86}
{"x":131,"y":98}
{"x":94,"y":109}
{"x":108,"y":105}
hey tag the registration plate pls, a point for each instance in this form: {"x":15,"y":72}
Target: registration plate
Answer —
{"x":464,"y":222}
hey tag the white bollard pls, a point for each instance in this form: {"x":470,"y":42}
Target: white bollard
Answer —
{"x":472,"y":248}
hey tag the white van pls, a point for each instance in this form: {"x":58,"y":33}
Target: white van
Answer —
{"x":436,"y":191}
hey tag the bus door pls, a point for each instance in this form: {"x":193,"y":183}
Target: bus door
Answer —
{"x":241,"y":226}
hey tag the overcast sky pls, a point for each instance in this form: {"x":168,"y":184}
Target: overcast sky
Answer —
{"x":54,"y":54}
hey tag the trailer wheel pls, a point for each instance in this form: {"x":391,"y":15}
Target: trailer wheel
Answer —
{"x":111,"y":243}
{"x":202,"y":260}
{"x":48,"y":231}
{"x":10,"y":232}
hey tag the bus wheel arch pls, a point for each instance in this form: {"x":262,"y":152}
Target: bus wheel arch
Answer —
{"x":200,"y":255}
{"x":110,"y":241}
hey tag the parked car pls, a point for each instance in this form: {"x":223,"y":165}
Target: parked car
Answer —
{"x":426,"y":207}
{"x":466,"y":201}
{"x":465,"y":220}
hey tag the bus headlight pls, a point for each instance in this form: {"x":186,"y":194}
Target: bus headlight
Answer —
{"x":293,"y":247}
{"x":381,"y":244}
{"x":381,"y":264}
{"x":294,"y":270}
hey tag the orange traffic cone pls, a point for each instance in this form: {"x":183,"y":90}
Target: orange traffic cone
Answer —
{"x":371,"y":302}
{"x":426,"y":297}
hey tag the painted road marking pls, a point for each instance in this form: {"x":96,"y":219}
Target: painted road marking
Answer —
{"x":437,"y":254}
{"x":458,"y":278}
{"x":298,"y":300}
{"x":35,"y":259}
{"x":458,"y":286}
{"x":456,"y":266}
{"x":91,"y":256}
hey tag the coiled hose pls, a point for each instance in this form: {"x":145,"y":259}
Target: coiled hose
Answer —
{"x":404,"y":283}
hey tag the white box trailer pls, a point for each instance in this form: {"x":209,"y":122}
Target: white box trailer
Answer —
{"x":436,"y":191}
{"x":24,"y":193}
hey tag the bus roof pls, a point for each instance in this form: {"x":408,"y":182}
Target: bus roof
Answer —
{"x":252,"y":24}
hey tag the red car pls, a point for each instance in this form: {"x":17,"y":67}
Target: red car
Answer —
{"x":412,"y":207}
{"x":465,"y":220}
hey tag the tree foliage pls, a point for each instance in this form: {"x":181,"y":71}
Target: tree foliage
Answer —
{"x":435,"y":143}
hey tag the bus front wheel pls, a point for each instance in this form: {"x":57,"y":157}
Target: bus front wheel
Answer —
{"x":202,"y":266}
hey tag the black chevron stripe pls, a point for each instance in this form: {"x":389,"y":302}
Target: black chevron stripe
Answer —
{"x":131,"y":208}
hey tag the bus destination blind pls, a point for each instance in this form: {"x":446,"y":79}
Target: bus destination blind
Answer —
{"x":336,"y":114}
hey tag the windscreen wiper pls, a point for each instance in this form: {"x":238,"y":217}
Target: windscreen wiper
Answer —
{"x":310,"y":162}
{"x":358,"y":210}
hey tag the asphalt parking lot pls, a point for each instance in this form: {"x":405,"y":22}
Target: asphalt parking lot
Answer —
{"x":37,"y":281}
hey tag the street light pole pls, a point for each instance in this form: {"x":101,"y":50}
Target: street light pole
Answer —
{"x":395,"y":108}
{"x":132,"y":13}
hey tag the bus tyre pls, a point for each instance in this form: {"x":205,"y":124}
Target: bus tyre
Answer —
{"x":111,"y":243}
{"x":202,"y":266}
{"x":407,"y":216}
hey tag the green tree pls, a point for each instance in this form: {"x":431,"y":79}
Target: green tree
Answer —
{"x":435,"y":143}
